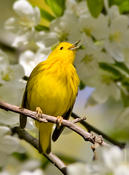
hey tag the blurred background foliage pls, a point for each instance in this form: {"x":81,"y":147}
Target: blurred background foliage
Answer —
{"x":110,"y":115}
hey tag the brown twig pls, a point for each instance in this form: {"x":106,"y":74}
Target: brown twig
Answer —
{"x":35,"y":143}
{"x":43,"y":117}
{"x":79,"y":119}
{"x":89,"y":127}
{"x":95,"y":140}
{"x":7,"y":47}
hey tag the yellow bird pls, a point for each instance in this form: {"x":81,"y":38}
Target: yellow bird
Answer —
{"x":52,"y":88}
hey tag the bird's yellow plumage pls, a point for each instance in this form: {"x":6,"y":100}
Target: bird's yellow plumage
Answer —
{"x":52,"y":86}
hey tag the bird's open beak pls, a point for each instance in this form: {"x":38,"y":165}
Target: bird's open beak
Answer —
{"x":75,"y":46}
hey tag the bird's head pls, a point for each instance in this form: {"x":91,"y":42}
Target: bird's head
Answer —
{"x":65,"y":51}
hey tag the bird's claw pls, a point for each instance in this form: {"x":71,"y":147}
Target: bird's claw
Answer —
{"x":59,"y":120}
{"x":39,"y":112}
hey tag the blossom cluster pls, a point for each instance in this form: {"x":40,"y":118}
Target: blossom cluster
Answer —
{"x":112,"y":161}
{"x":103,"y":39}
{"x":104,"y":44}
{"x":11,"y":88}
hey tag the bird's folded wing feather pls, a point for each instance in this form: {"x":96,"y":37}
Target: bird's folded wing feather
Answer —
{"x":58,"y":130}
{"x":23,"y":119}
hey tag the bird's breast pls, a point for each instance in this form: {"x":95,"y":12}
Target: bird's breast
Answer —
{"x":53,"y":92}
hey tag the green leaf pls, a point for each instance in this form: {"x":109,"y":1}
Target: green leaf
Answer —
{"x":46,"y":2}
{"x":125,"y":98}
{"x":95,"y":7}
{"x":120,"y":134}
{"x":122,"y":4}
{"x":54,"y":46}
{"x":124,"y":7}
{"x":82,"y":85}
{"x":118,"y":76}
{"x":68,"y":159}
{"x":41,"y":28}
{"x":20,"y":156}
{"x":81,"y":47}
{"x":122,"y":66}
{"x":44,"y":163}
{"x":57,"y":6}
{"x":46,"y":15}
{"x":1,"y":168}
{"x":109,"y":68}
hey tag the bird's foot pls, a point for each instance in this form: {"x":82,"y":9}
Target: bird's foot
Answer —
{"x":39,"y":112}
{"x":59,"y":120}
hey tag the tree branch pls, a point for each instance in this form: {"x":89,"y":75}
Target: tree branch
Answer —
{"x":92,"y":128}
{"x":47,"y":118}
{"x":95,"y":140}
{"x":89,"y":127}
{"x":7,"y":47}
{"x":34,"y":142}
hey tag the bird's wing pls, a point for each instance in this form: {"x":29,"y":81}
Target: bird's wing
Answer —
{"x":23,"y":119}
{"x":58,"y":130}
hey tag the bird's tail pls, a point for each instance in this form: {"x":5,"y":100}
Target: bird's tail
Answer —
{"x":45,"y":130}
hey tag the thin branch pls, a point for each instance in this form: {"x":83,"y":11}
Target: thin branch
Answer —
{"x":79,"y":119}
{"x":7,"y":47}
{"x":92,"y":128}
{"x":34,"y":142}
{"x":43,"y":118}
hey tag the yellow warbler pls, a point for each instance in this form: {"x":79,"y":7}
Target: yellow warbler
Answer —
{"x":52,"y":87}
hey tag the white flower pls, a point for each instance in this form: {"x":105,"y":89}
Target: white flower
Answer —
{"x":87,"y":64}
{"x":112,"y":157}
{"x":3,"y":58}
{"x":115,"y":161}
{"x":11,"y":88}
{"x":11,"y":77}
{"x":110,"y":30}
{"x":3,"y":64}
{"x":118,"y":33}
{"x":66,"y":27}
{"x":4,"y":173}
{"x":77,"y":169}
{"x":122,"y":170}
{"x":112,"y":162}
{"x":45,"y":40}
{"x":77,"y":8}
{"x":9,"y":72}
{"x":36,"y":172}
{"x":23,"y":39}
{"x":12,"y":93}
{"x":82,"y":9}
{"x":4,"y":130}
{"x":30,"y":165}
{"x":29,"y":16}
{"x":105,"y":90}
{"x":23,"y":24}
{"x":96,"y":27}
{"x":8,"y":145}
{"x":29,"y":60}
{"x":122,"y":123}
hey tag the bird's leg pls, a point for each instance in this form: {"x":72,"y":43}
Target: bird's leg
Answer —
{"x":39,"y":112}
{"x":59,"y":120}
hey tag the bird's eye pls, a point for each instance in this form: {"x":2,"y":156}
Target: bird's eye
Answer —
{"x":61,"y":48}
